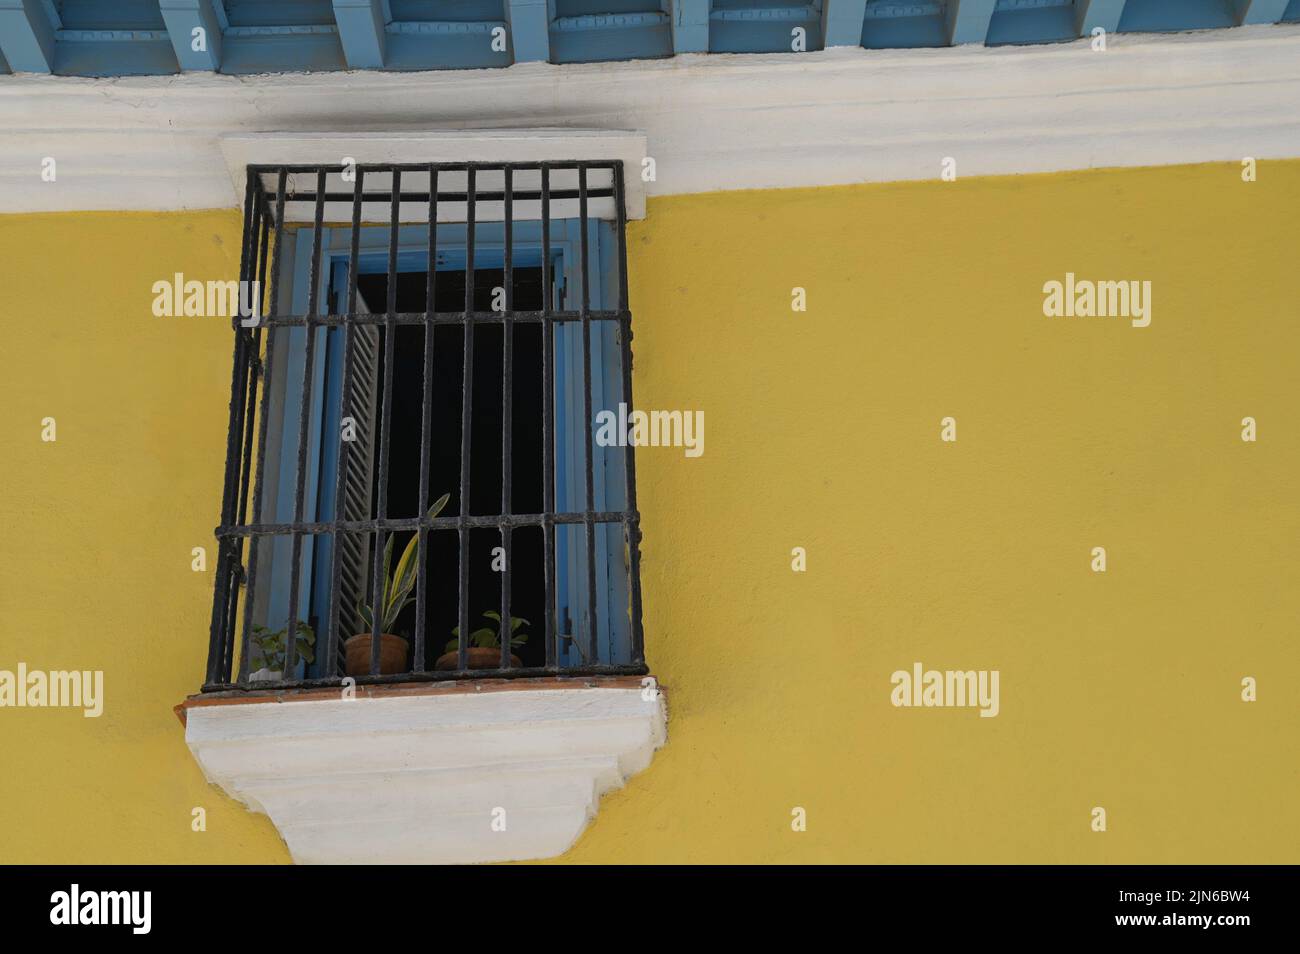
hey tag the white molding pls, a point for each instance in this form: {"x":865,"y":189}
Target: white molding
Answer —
{"x":480,"y":145}
{"x":711,"y":121}
{"x":416,"y":779}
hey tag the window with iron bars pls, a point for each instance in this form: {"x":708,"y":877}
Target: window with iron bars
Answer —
{"x":390,"y":299}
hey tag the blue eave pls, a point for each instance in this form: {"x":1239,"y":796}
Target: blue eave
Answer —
{"x":591,"y":38}
{"x":1050,"y":21}
{"x":749,"y":26}
{"x":158,"y":37}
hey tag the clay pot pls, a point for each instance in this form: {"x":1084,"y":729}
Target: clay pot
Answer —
{"x":392,"y":654}
{"x":478,"y":659}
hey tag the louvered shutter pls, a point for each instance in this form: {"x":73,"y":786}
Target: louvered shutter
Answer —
{"x":358,"y":474}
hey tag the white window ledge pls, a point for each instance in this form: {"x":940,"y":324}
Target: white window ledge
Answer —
{"x":439,"y":775}
{"x":476,"y":145}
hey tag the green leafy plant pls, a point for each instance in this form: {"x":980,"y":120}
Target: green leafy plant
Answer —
{"x":272,"y":645}
{"x":397,"y":588}
{"x":487,"y":637}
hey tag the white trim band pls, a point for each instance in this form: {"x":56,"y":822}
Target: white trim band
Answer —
{"x":711,"y":122}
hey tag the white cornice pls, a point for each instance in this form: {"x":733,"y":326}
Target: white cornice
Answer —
{"x":711,"y":122}
{"x":432,"y":778}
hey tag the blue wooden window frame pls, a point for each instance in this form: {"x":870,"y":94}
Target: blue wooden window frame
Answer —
{"x":612,"y":573}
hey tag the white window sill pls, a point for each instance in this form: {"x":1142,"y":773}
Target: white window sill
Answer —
{"x":430,"y":774}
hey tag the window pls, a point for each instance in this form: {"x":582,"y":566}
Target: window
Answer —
{"x":446,"y":329}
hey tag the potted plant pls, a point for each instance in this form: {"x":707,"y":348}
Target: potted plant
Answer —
{"x":271,"y":647}
{"x":395,"y":598}
{"x":484,"y":651}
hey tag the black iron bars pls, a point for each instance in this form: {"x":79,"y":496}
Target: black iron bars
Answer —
{"x":378,"y":194}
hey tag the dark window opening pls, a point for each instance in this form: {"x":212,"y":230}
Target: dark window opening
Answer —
{"x":527,"y":584}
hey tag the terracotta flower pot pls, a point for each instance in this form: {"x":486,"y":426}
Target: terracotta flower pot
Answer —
{"x":478,"y":659}
{"x":392,"y":654}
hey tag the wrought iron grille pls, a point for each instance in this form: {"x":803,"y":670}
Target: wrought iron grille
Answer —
{"x":280,"y":202}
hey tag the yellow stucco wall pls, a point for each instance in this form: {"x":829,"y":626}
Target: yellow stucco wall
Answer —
{"x":1119,"y":690}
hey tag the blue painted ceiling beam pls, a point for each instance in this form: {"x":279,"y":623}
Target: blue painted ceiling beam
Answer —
{"x":842,"y":22}
{"x":968,"y":20}
{"x":33,"y":38}
{"x":27,"y":29}
{"x":183,"y":18}
{"x":1090,"y":14}
{"x":1260,"y":11}
{"x":690,"y":19}
{"x":530,"y":30}
{"x":361,"y":31}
